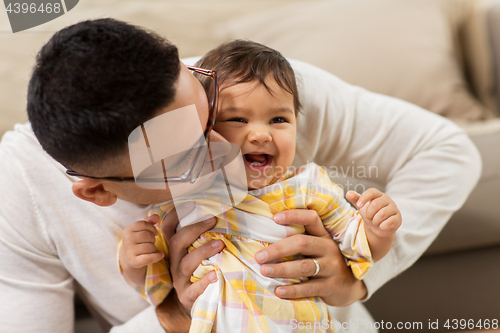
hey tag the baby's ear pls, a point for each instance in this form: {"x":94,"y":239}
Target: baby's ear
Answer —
{"x":92,"y":190}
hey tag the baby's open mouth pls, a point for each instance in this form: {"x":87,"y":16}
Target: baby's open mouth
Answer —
{"x":258,"y":162}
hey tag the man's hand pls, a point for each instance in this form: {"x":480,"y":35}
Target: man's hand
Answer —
{"x":172,"y":315}
{"x":334,"y":283}
{"x":182,"y":263}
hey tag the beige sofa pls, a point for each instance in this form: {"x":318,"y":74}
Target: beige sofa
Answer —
{"x":443,"y":55}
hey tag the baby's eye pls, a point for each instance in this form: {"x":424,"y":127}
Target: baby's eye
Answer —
{"x":238,"y":120}
{"x":278,"y":120}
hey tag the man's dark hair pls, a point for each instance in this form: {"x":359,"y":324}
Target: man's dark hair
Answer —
{"x":241,"y":61}
{"x":93,"y":83}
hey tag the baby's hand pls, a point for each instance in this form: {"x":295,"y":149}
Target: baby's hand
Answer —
{"x":138,"y":244}
{"x":378,"y":211}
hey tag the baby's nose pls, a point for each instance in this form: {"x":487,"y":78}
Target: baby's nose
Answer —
{"x":259,"y":135}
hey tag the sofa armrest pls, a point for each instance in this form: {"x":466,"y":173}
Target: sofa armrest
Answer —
{"x":493,"y":19}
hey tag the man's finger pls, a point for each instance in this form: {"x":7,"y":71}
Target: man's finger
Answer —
{"x":295,"y":269}
{"x":296,"y":244}
{"x":316,"y":287}
{"x":189,"y":234}
{"x":309,"y":288}
{"x":196,"y":289}
{"x":171,"y":220}
{"x":308,"y":218}
{"x":193,"y":259}
{"x":181,"y":240}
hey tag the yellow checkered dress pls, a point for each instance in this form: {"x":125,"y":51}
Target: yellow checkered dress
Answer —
{"x":242,"y":300}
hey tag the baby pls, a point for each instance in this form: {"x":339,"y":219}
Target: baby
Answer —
{"x":258,"y":111}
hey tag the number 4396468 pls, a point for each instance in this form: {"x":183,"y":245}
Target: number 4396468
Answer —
{"x":454,"y":324}
{"x":32,"y":8}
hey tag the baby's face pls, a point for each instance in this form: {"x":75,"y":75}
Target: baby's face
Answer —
{"x":263,"y":124}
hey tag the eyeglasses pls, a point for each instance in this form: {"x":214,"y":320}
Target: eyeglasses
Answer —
{"x":200,"y":153}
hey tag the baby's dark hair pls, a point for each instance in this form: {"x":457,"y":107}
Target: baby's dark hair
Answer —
{"x":241,"y":61}
{"x":93,"y":83}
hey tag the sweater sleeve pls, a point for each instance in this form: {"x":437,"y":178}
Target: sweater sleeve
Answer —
{"x":37,"y":290}
{"x":36,"y":285}
{"x":424,"y":162}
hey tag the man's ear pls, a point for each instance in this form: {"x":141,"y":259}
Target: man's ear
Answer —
{"x":92,"y":190}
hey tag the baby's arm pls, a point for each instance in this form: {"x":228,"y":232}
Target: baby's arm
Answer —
{"x":382,"y":218}
{"x":138,"y":250}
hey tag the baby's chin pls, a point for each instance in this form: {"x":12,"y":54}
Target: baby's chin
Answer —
{"x":256,"y":183}
{"x":256,"y":180}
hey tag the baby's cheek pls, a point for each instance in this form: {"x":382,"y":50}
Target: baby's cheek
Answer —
{"x":230,"y":134}
{"x":289,"y":153}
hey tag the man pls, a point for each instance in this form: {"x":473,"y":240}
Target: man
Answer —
{"x":94,"y":83}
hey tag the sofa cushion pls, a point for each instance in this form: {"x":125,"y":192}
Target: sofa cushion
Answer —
{"x":407,"y":49}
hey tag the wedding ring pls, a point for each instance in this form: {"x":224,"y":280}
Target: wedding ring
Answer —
{"x":317,"y":267}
